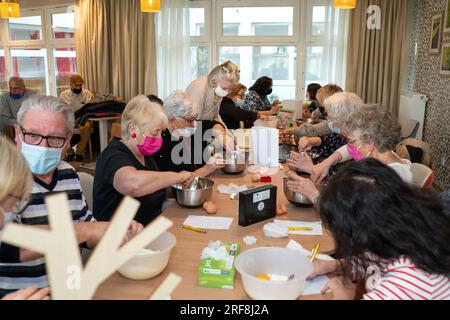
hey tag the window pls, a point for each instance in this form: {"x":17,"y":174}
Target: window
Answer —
{"x":40,"y":47}
{"x":26,"y":28}
{"x":286,"y":40}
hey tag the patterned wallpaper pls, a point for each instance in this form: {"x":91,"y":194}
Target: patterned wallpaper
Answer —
{"x":437,"y":88}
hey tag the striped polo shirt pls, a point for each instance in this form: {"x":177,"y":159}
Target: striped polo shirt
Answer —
{"x":15,"y":276}
{"x":400,"y":279}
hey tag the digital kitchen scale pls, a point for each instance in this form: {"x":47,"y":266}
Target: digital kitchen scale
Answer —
{"x":257,"y":205}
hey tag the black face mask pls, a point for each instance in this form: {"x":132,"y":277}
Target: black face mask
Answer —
{"x":77,"y":91}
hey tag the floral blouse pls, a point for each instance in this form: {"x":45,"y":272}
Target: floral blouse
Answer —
{"x":330,"y":144}
{"x":254,"y":102}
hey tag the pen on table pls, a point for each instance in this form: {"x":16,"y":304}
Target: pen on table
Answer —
{"x":193,"y":228}
{"x":300,"y":229}
{"x":314,"y":252}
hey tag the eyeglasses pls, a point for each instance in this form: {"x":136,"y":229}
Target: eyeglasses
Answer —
{"x":20,"y":205}
{"x":36,"y":139}
{"x":194,"y":118}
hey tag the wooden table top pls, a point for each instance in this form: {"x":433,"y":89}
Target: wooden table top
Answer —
{"x":185,"y":257}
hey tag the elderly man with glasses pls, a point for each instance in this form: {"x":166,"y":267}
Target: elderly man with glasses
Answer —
{"x":43,"y":132}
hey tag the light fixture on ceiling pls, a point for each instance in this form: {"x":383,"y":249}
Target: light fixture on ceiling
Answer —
{"x":345,"y":4}
{"x":150,"y":5}
{"x":9,"y":9}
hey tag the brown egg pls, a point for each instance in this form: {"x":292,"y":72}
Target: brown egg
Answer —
{"x":281,"y":210}
{"x":210,"y":207}
{"x":256,"y":177}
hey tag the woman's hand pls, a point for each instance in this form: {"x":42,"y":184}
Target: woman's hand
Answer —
{"x":303,"y":186}
{"x":302,"y":162}
{"x":322,"y":268}
{"x":341,"y":289}
{"x":263,"y":116}
{"x":320,"y":172}
{"x":306,"y":143}
{"x":274,"y":110}
{"x":134,"y":230}
{"x":185,"y":178}
{"x":30,"y":293}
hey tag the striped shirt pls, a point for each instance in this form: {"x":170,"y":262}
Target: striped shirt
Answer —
{"x":401,"y":280}
{"x":15,"y":276}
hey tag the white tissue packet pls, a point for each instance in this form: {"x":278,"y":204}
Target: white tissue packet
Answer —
{"x":250,"y":241}
{"x":271,"y":230}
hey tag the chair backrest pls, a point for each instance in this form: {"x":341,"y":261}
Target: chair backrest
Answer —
{"x":410,"y":128}
{"x":422,"y":176}
{"x":87,"y":186}
{"x":403,"y":151}
{"x":116,"y":131}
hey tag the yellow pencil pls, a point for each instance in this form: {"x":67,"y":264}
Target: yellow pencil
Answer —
{"x":300,"y":229}
{"x":314,"y":252}
{"x":193,"y":228}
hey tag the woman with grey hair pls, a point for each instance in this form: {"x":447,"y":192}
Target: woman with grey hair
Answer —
{"x":208,"y":91}
{"x":185,"y":139}
{"x":127,"y":167}
{"x":372,"y":132}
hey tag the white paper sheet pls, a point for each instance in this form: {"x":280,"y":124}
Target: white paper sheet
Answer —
{"x":317,"y":227}
{"x":211,"y":223}
{"x":315,"y":286}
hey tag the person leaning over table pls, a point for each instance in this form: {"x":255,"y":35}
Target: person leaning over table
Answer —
{"x":43,"y":131}
{"x":257,"y":97}
{"x":337,"y":108}
{"x":208,"y":91}
{"x":185,"y":145}
{"x":314,"y":130}
{"x":372,"y":132}
{"x":11,"y":101}
{"x":311,"y":103}
{"x":388,"y":233}
{"x":232,"y":113}
{"x":127,"y":167}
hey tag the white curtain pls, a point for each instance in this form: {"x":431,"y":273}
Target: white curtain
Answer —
{"x":173,"y":47}
{"x":335,"y":48}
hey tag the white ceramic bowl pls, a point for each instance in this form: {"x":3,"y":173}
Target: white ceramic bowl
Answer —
{"x":145,"y":266}
{"x":273,"y":261}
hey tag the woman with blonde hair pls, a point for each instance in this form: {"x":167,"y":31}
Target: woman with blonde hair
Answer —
{"x":127,"y":167}
{"x":208,"y":91}
{"x":16,"y":183}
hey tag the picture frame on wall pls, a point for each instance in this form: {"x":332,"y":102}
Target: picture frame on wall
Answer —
{"x":447,"y":18}
{"x":436,"y":33}
{"x":445,"y":60}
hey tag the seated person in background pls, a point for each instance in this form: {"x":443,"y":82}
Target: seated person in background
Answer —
{"x":232,"y":113}
{"x":257,"y":97}
{"x":310,"y":104}
{"x":338,"y":108}
{"x":76,"y":97}
{"x":127,"y":167}
{"x":388,"y":233}
{"x":184,"y":147}
{"x":43,"y":131}
{"x":314,"y":130}
{"x":10,"y":102}
{"x":372,"y":132}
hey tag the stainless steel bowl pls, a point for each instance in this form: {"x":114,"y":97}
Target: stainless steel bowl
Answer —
{"x":195,"y":195}
{"x":298,"y":199}
{"x":236,"y":163}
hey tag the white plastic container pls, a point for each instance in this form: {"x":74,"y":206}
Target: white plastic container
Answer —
{"x":266,"y":124}
{"x":145,"y":266}
{"x":273,"y":261}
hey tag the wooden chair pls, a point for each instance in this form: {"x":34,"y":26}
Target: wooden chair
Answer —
{"x":116,"y":131}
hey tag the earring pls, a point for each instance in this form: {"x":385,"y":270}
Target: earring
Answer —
{"x":134,"y":136}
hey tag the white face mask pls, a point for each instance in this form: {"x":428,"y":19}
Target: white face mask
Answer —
{"x":221,"y":92}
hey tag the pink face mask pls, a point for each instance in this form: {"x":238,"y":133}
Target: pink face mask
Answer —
{"x":354,"y":153}
{"x":151,"y":146}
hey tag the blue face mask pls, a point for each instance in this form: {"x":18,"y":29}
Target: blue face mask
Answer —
{"x":16,"y":96}
{"x":41,"y":160}
{"x":332,"y":128}
{"x":240,"y":103}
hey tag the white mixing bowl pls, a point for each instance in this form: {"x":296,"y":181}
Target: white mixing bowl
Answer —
{"x":273,"y":261}
{"x":144,"y":265}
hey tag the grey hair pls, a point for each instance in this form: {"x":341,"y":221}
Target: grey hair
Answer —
{"x":179,"y":104}
{"x":372,"y":123}
{"x":341,"y":105}
{"x":47,"y":104}
{"x":227,"y":71}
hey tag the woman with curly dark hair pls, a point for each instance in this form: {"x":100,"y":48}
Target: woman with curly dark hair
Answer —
{"x":387,"y":232}
{"x":257,"y":97}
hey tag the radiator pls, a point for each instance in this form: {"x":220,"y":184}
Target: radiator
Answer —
{"x":412,"y":107}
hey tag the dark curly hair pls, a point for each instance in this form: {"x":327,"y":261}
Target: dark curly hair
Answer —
{"x":371,"y":211}
{"x":312,"y":90}
{"x":262,"y":85}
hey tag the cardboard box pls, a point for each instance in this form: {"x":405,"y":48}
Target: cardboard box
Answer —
{"x":219,"y":274}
